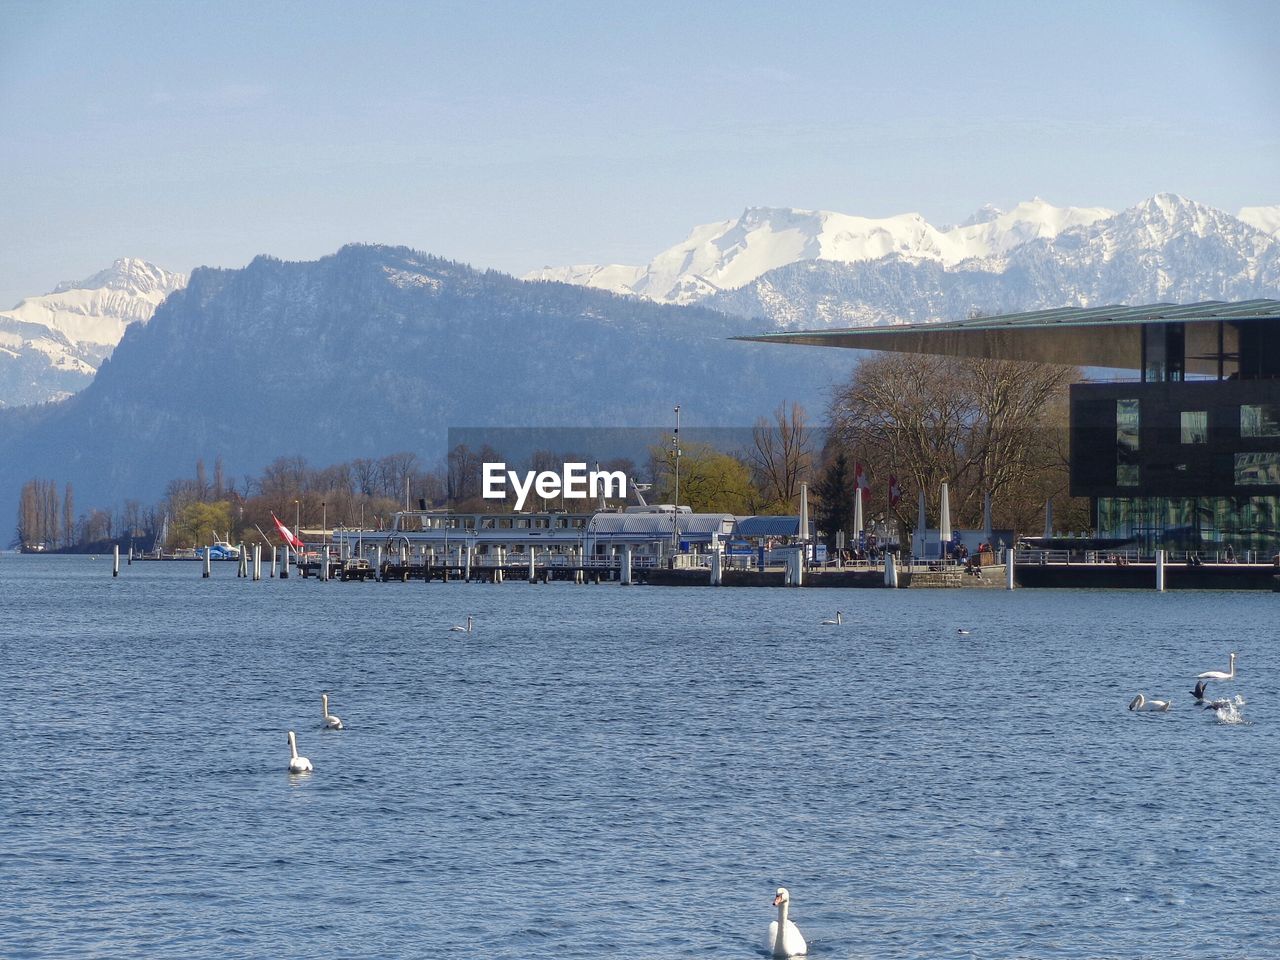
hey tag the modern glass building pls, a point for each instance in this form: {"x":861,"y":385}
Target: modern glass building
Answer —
{"x":1180,"y":448}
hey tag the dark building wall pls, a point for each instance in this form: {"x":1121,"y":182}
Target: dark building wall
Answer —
{"x":1166,"y":466}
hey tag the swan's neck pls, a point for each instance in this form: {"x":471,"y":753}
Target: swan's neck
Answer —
{"x":782,"y":923}
{"x":839,"y":617}
{"x":293,"y":747}
{"x":325,"y":699}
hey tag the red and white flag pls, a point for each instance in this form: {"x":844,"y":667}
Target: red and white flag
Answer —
{"x":895,"y":491}
{"x":860,"y":478}
{"x":286,"y":535}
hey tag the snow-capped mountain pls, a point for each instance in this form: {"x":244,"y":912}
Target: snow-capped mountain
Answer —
{"x":1266,"y":219}
{"x":733,"y":253}
{"x":802,"y":268}
{"x":52,"y":345}
{"x":1166,"y":248}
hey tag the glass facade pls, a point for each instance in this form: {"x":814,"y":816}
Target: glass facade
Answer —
{"x":1128,"y":413}
{"x":1260,"y":420}
{"x":1257,"y":469}
{"x":1195,"y":426}
{"x":1192,"y":523}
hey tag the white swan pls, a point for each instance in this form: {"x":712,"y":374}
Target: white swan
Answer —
{"x":456,"y":628}
{"x":330,"y":721}
{"x":297,"y":764}
{"x":1140,"y":702}
{"x":833,"y":623}
{"x":784,"y":936}
{"x":1218,"y":674}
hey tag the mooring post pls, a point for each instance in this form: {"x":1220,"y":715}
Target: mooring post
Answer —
{"x":207,"y":551}
{"x":284,"y":567}
{"x":1008,"y":568}
{"x":129,"y":562}
{"x":715,"y":568}
{"x":626,"y":564}
{"x":1160,"y":571}
{"x":274,"y":558}
{"x":257,"y":561}
{"x":890,"y":570}
{"x":115,"y":560}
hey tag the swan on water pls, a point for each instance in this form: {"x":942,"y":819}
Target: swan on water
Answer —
{"x":1140,"y":702}
{"x":458,"y":628}
{"x":834,"y":623}
{"x":297,"y":764}
{"x":784,"y":936}
{"x":331,"y":722}
{"x":1218,"y":674}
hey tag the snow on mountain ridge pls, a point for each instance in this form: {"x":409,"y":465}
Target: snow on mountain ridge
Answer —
{"x":1266,"y":219}
{"x":732,"y":253}
{"x":59,"y":339}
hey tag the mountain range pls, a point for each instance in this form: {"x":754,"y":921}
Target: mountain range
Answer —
{"x":377,"y":349}
{"x":798,"y":268}
{"x":52,"y":345}
{"x":374,"y":350}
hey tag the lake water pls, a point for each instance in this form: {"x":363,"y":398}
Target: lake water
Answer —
{"x":604,"y":771}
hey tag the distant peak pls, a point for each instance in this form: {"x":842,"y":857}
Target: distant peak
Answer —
{"x":127,"y":273}
{"x":984,"y":214}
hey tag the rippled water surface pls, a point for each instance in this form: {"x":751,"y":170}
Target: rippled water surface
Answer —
{"x":600,"y":771}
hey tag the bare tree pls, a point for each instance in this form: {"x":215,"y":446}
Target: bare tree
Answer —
{"x":985,"y":426}
{"x":782,"y":456}
{"x":68,"y":516}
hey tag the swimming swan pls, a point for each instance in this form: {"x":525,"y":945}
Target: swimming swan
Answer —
{"x":1218,"y":674}
{"x":784,"y":936}
{"x":460,"y":629}
{"x":297,"y":764}
{"x":833,"y":623}
{"x":330,"y":721}
{"x":1142,"y":703}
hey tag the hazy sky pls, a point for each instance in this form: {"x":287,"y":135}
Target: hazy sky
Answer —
{"x":518,"y":135}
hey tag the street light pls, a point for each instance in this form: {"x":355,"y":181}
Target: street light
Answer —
{"x":675,"y":516}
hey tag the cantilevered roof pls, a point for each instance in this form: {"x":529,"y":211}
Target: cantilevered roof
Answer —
{"x":1085,"y":336}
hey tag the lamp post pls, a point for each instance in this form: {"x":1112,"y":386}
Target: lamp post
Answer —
{"x":675,"y":516}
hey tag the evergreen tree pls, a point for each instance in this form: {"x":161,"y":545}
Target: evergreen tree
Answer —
{"x":834,"y":492}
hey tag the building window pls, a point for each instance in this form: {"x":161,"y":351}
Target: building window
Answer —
{"x":1260,"y":420}
{"x":1127,"y":429}
{"x":1195,"y":426}
{"x":1257,"y":469}
{"x":1127,"y":423}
